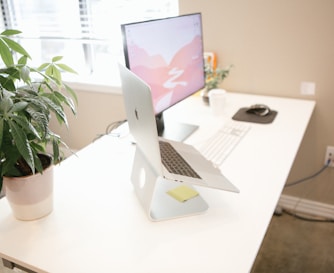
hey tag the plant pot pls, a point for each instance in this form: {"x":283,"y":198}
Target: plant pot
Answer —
{"x":2,"y":192}
{"x":30,"y":197}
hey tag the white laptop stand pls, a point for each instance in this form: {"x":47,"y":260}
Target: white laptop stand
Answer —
{"x":151,"y":190}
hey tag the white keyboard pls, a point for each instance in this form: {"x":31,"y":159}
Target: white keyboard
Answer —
{"x":220,"y":145}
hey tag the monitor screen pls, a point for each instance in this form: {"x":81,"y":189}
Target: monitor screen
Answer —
{"x":168,"y":55}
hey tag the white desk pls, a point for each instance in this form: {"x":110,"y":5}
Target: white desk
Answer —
{"x":98,"y":224}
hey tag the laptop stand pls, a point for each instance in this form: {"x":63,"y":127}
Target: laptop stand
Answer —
{"x":151,"y":190}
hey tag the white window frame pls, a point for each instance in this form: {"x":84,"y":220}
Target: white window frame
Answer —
{"x":100,"y":52}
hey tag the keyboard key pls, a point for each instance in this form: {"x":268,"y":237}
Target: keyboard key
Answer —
{"x":174,"y":162}
{"x":221,"y":144}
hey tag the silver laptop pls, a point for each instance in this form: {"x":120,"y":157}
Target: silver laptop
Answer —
{"x":142,"y":125}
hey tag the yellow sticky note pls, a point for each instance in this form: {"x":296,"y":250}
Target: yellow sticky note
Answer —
{"x":183,"y":193}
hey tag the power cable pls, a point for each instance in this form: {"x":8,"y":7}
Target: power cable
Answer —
{"x":309,"y":177}
{"x":109,"y":129}
{"x":309,"y":219}
{"x":298,"y":216}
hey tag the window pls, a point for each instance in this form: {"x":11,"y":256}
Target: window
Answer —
{"x":86,"y":32}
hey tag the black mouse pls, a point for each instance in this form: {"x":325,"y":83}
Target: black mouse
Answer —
{"x":261,"y":110}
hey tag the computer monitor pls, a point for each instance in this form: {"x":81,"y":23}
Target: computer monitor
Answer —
{"x":168,"y":55}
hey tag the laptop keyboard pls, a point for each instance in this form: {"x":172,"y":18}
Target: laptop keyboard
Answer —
{"x":174,"y":162}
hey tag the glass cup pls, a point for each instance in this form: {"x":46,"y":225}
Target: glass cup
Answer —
{"x":217,"y":100}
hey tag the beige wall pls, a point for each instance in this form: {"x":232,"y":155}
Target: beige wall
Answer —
{"x":274,"y":46}
{"x":95,"y":111}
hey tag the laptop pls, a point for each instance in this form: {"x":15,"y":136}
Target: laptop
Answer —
{"x":142,"y":126}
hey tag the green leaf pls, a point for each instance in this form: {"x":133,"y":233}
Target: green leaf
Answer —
{"x":23,"y":60}
{"x":49,"y":71}
{"x":16,"y":47}
{"x":22,"y":144}
{"x":38,"y":147}
{"x":41,"y":120}
{"x":5,"y":105}
{"x":46,"y":77}
{"x":43,"y":66}
{"x":66,"y":100}
{"x":19,"y":106}
{"x":7,"y":83}
{"x":55,"y":107}
{"x":26,"y":126}
{"x":5,"y":53}
{"x":10,"y":32}
{"x":8,"y":168}
{"x":12,"y":72}
{"x":72,"y":93}
{"x":38,"y":164}
{"x":56,"y":58}
{"x":1,"y":131}
{"x":56,"y":74}
{"x":55,"y":149}
{"x":66,"y":68}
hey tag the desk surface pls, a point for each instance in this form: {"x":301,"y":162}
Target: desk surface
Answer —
{"x":98,"y":224}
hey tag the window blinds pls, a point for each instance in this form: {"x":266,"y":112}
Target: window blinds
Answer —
{"x":79,"y":19}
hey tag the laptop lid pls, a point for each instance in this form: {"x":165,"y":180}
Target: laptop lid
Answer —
{"x":141,"y":118}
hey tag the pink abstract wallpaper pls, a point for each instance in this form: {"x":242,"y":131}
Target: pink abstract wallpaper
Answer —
{"x":170,"y":81}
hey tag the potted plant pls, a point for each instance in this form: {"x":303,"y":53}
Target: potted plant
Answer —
{"x":28,"y":97}
{"x":213,"y":78}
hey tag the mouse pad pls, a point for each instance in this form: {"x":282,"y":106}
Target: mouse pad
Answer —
{"x":242,"y":115}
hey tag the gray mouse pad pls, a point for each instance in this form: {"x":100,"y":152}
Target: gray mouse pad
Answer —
{"x":242,"y":115}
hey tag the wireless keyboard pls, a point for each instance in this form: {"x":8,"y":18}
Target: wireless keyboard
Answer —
{"x":221,"y":144}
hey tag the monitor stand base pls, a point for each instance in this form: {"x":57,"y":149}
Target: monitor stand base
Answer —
{"x":178,"y":131}
{"x":174,"y":130}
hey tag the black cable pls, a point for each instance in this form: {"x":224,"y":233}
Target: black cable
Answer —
{"x":308,"y":177}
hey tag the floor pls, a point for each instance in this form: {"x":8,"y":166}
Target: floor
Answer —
{"x":5,"y":270}
{"x":291,"y":246}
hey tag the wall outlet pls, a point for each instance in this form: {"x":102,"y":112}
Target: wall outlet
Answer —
{"x":307,"y":88}
{"x":329,"y":156}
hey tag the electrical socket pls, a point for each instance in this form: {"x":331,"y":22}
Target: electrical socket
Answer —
{"x":329,"y":156}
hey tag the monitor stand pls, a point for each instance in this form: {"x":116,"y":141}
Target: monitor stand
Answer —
{"x":174,"y":130}
{"x":151,"y":189}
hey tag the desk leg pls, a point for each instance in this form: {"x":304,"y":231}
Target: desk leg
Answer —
{"x":12,"y":265}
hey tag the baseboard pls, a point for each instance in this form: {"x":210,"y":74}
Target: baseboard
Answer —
{"x":306,"y":206}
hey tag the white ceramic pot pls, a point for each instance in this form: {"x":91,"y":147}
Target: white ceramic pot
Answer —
{"x":30,"y":197}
